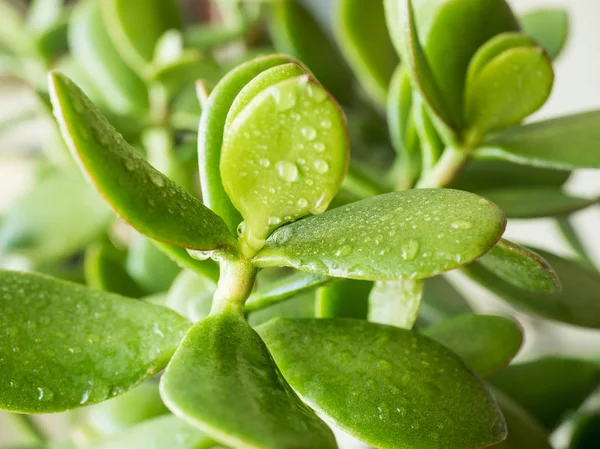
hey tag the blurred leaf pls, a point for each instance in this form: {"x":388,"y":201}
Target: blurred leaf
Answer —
{"x":345,"y":298}
{"x":149,"y":266}
{"x":396,"y":302}
{"x":441,"y":301}
{"x":302,"y":305}
{"x":550,"y":387}
{"x":572,"y":238}
{"x":222,"y":371}
{"x":191,"y":295}
{"x":13,"y":34}
{"x":207,"y":268}
{"x":487,"y":343}
{"x":586,"y":434}
{"x":418,"y":235}
{"x":69,"y":346}
{"x":386,"y":386}
{"x":550,"y":27}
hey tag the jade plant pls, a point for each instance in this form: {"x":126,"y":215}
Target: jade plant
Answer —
{"x":300,"y":288}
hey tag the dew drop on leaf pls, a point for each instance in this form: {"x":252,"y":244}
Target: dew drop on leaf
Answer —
{"x":308,"y":132}
{"x":462,"y":225}
{"x":264,"y":162}
{"x":157,"y":179}
{"x":287,"y":171}
{"x":273,"y":221}
{"x":319,"y":146}
{"x":321,"y":166}
{"x":410,"y":249}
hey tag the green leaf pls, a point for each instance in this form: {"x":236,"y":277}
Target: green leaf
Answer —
{"x":441,"y":301}
{"x":212,"y":127}
{"x":563,"y":143}
{"x":549,"y":387}
{"x":92,"y":48}
{"x":191,"y":295}
{"x":396,"y":302}
{"x":345,"y":298}
{"x":521,"y":267}
{"x":223,"y":381}
{"x":276,"y":168}
{"x":295,"y":32}
{"x":421,"y":233}
{"x":573,"y":240}
{"x":143,"y":196}
{"x":487,"y":343}
{"x":550,"y":27}
{"x":363,"y":38}
{"x":207,"y":268}
{"x":586,"y":434}
{"x":536,"y":202}
{"x":77,"y":216}
{"x":576,"y":303}
{"x":69,"y":346}
{"x":298,"y":306}
{"x":159,"y":433}
{"x":135,"y":29}
{"x":150,"y":267}
{"x":386,"y":386}
{"x":522,"y":80}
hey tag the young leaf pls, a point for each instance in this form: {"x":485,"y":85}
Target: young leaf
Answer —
{"x":396,"y":302}
{"x":363,"y":37}
{"x":536,"y":202}
{"x":575,"y":304}
{"x":223,"y":381}
{"x":550,"y":27}
{"x":191,"y":295}
{"x":69,"y":346}
{"x":586,"y":434}
{"x":486,"y":343}
{"x":441,"y":301}
{"x":277,"y":168}
{"x":345,"y":298}
{"x":143,"y":196}
{"x":422,"y":233}
{"x":508,"y":102}
{"x":386,"y":386}
{"x":563,"y":143}
{"x":158,"y":433}
{"x":550,"y":387}
{"x":212,"y":127}
{"x":521,"y":267}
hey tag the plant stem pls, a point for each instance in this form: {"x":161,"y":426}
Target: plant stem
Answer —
{"x":446,"y":169}
{"x":29,"y":430}
{"x":235,"y":284}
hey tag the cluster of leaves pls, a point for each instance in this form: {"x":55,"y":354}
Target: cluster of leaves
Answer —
{"x":293,"y":285}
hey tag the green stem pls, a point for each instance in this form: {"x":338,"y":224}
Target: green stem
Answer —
{"x":234,"y":286}
{"x":25,"y":425}
{"x":447,"y":168}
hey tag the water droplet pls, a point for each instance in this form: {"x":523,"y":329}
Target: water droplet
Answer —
{"x":264,"y":162}
{"x":319,"y":146}
{"x":410,"y":249}
{"x":157,"y":179}
{"x":316,"y":93}
{"x":343,"y":251}
{"x":302,"y":202}
{"x":287,"y":171}
{"x":462,"y":225}
{"x":326,"y":123}
{"x":130,"y":164}
{"x":285,"y":97}
{"x":45,"y":395}
{"x":199,"y":255}
{"x":84,"y":397}
{"x":273,"y":221}
{"x":301,"y":161}
{"x":321,"y":166}
{"x":308,"y":132}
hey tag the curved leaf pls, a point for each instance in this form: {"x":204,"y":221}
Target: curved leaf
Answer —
{"x":143,"y":196}
{"x":223,"y":380}
{"x":550,"y":27}
{"x":550,"y":387}
{"x":586,"y":434}
{"x":576,"y":303}
{"x":345,"y":298}
{"x":420,"y":232}
{"x":487,"y":343}
{"x":389,"y":387}
{"x":396,"y":302}
{"x":67,"y":346}
{"x":562,"y":143}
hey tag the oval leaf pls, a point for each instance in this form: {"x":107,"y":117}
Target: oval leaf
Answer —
{"x":396,"y":302}
{"x":345,"y":298}
{"x":421,"y":233}
{"x":69,"y":346}
{"x":386,"y":386}
{"x":223,"y":380}
{"x":143,"y":196}
{"x":550,"y":27}
{"x":486,"y":343}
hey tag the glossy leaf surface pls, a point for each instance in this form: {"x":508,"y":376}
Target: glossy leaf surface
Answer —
{"x":69,"y":346}
{"x":284,"y":156}
{"x":396,"y":302}
{"x":143,"y":196}
{"x":550,"y":387}
{"x":563,"y":143}
{"x":422,"y":233}
{"x":575,"y":304}
{"x":386,"y":386}
{"x":550,"y":27}
{"x":345,"y":298}
{"x":223,"y":380}
{"x":486,"y":343}
{"x":521,"y":267}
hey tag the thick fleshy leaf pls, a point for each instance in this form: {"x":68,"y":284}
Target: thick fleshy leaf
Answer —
{"x":441,"y":301}
{"x":78,"y":215}
{"x":536,"y":202}
{"x":223,"y":380}
{"x":521,"y":267}
{"x":68,"y":346}
{"x":586,"y":434}
{"x":143,"y":196}
{"x":91,"y":46}
{"x":522,"y":80}
{"x":550,"y":387}
{"x":150,"y":267}
{"x":135,"y":29}
{"x":363,"y":37}
{"x":396,"y":302}
{"x":563,"y":143}
{"x":389,"y":387}
{"x":550,"y":27}
{"x":284,"y":156}
{"x":420,"y":232}
{"x":212,"y":128}
{"x":158,"y":433}
{"x":577,"y":302}
{"x":295,"y":32}
{"x":487,"y":343}
{"x":191,"y":295}
{"x":344,"y":298}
